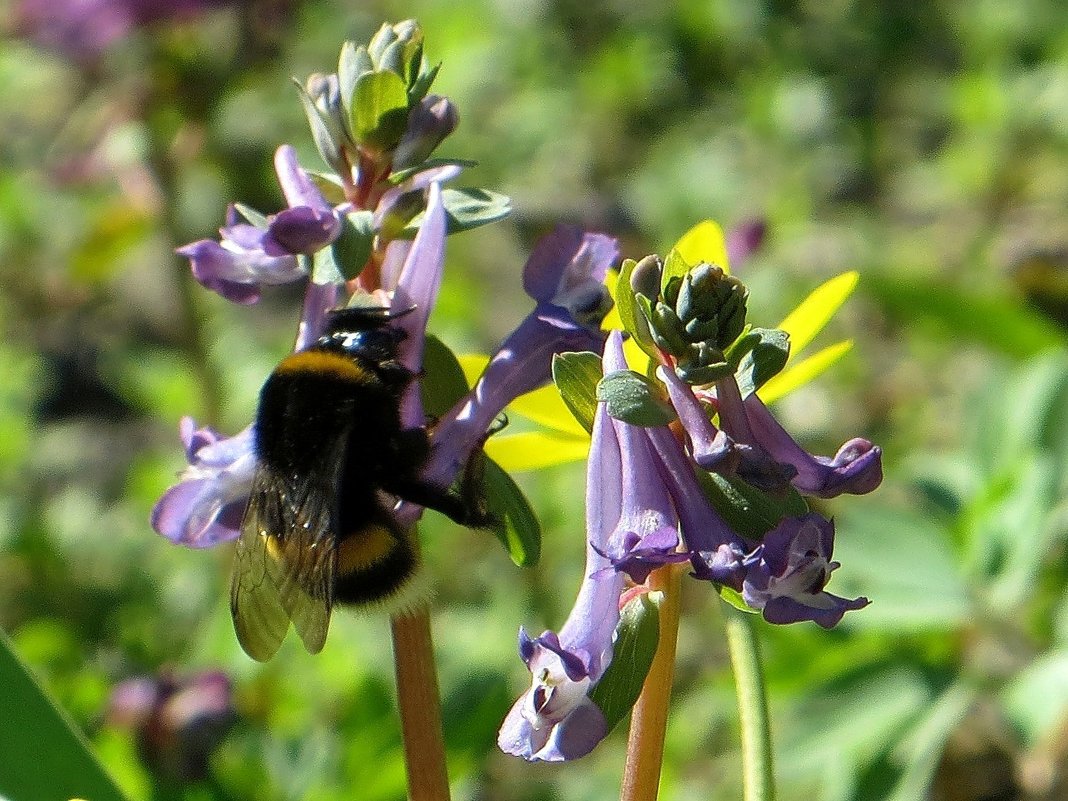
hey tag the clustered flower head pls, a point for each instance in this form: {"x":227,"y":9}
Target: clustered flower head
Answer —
{"x":659,"y":451}
{"x":374,"y":231}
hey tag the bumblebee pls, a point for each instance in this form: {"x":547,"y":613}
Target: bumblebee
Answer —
{"x":332,"y":459}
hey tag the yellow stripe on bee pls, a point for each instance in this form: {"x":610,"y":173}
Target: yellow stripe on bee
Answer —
{"x":322,"y":361}
{"x":369,"y":545}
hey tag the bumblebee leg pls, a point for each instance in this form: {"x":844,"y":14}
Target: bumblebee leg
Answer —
{"x":407,"y":454}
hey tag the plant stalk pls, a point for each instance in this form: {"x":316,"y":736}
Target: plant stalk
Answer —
{"x":420,"y":706}
{"x":648,"y":721}
{"x":744,"y":646}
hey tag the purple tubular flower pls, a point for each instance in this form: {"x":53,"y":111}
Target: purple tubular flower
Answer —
{"x":789,"y":570}
{"x":710,"y":447}
{"x":856,"y":468}
{"x":647,"y":535}
{"x":567,"y":269}
{"x":555,"y":720}
{"x":565,"y":274}
{"x":249,"y":257}
{"x":205,"y":507}
{"x":716,"y":551}
{"x":415,"y":294}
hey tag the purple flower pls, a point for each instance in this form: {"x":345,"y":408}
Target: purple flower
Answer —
{"x":178,"y":722}
{"x":205,"y":507}
{"x":787,"y":574}
{"x":745,"y":239}
{"x":84,"y":29}
{"x":856,"y":468}
{"x":555,"y":720}
{"x":632,"y":525}
{"x":647,"y":535}
{"x":565,"y":275}
{"x":250,"y":256}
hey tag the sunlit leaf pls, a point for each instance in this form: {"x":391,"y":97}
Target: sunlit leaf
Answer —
{"x":576,"y":376}
{"x":704,"y":242}
{"x":533,"y":450}
{"x":809,"y":318}
{"x":545,"y":407}
{"x":800,"y":373}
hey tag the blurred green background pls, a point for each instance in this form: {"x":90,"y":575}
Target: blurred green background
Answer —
{"x":924,"y":144}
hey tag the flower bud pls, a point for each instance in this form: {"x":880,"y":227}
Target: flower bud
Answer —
{"x":428,"y":124}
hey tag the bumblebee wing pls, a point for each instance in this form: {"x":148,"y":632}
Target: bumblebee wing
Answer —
{"x":284,"y":562}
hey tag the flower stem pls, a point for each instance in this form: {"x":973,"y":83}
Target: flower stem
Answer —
{"x":420,"y":706}
{"x":648,"y":721}
{"x":742,"y":642}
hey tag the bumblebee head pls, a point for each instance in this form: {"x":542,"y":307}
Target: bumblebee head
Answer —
{"x":365,"y":331}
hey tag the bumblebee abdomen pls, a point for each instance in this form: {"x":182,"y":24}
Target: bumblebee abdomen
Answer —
{"x":374,"y":563}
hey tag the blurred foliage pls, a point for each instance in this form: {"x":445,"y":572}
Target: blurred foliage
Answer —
{"x":924,"y":144}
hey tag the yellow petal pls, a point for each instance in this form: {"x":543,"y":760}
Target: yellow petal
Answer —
{"x":803,"y":371}
{"x":533,"y":450}
{"x":703,"y":242}
{"x":809,"y":318}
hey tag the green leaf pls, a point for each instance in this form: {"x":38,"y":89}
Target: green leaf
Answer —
{"x":518,"y":528}
{"x":675,"y":266}
{"x":353,"y":62}
{"x":330,"y":185}
{"x":353,"y":246}
{"x":379,"y":109}
{"x":251,"y":215}
{"x":637,"y":636}
{"x":635,"y":399}
{"x":905,"y":562}
{"x":759,"y":354}
{"x":325,"y":269}
{"x":747,"y":510}
{"x":735,"y":599}
{"x":422,"y":80}
{"x":43,"y":756}
{"x":400,"y":176}
{"x":465,"y":209}
{"x":325,"y":131}
{"x":576,"y":376}
{"x":443,"y":382}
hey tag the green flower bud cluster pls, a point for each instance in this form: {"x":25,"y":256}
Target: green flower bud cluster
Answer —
{"x":363,"y":108}
{"x":693,"y":313}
